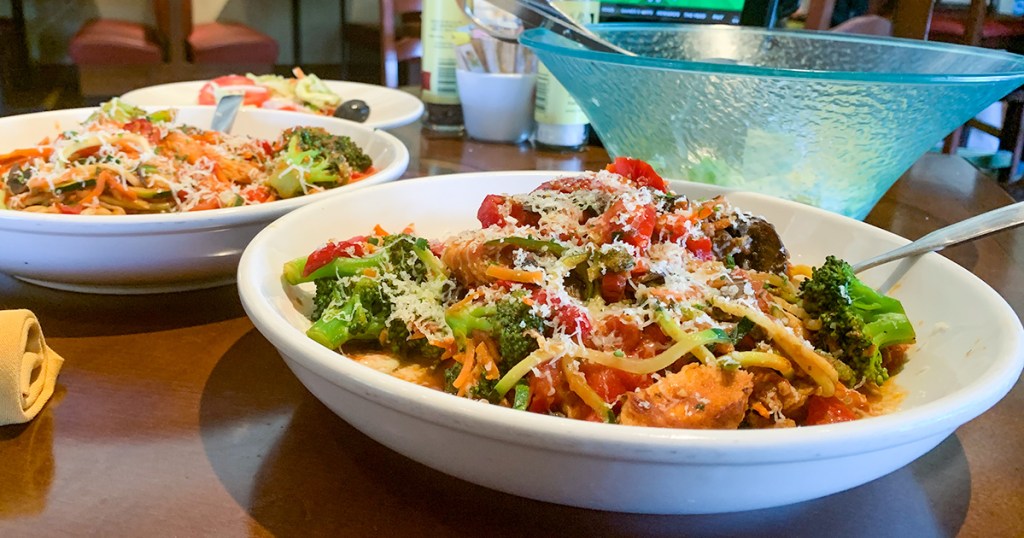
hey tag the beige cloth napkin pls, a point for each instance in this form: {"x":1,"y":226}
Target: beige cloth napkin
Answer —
{"x":28,"y":368}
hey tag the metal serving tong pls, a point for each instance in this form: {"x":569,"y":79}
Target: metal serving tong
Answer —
{"x":541,"y":14}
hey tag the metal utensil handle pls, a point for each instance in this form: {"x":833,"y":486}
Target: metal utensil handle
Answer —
{"x":501,"y":34}
{"x":973,"y":228}
{"x":542,"y":14}
{"x":559,"y":21}
{"x":227,"y":109}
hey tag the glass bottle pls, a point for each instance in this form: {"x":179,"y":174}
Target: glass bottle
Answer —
{"x":441,"y":31}
{"x":561,"y":124}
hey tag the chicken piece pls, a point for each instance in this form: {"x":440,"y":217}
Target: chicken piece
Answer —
{"x":405,"y":370}
{"x":780,"y":400}
{"x":698,"y":397}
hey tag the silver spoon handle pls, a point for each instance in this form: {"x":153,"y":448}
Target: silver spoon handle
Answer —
{"x":973,"y":228}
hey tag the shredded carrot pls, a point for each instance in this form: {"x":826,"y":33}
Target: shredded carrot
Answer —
{"x":25,"y":154}
{"x":410,"y":229}
{"x":666,"y":294}
{"x":370,"y":272}
{"x":378,"y":231}
{"x":449,"y":347}
{"x":759,"y":408}
{"x":528,"y":301}
{"x":486,"y":355}
{"x":119,"y":187}
{"x":417,"y":336}
{"x":356,"y":175}
{"x":470,"y":297}
{"x":515,"y":275}
{"x":101,"y":185}
{"x":462,"y":382}
{"x":297,"y":71}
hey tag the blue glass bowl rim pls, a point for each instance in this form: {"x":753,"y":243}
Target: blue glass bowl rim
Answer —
{"x":534,"y":39}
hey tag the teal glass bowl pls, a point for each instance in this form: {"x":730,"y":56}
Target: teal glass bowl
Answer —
{"x":827,"y":119}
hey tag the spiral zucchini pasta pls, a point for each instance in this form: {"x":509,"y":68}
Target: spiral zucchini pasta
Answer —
{"x":604,"y":296}
{"x":123,"y":160}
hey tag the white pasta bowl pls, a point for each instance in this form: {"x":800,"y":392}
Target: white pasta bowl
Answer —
{"x":964,"y":362}
{"x":160,"y":252}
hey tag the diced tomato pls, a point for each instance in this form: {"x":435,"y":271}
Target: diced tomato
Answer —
{"x":830,"y":410}
{"x":613,"y":286}
{"x":206,"y":204}
{"x":350,"y":248}
{"x":357,"y":175}
{"x":546,"y":388}
{"x":701,"y":248}
{"x":671,"y":227}
{"x":489,"y":212}
{"x":143,"y":127}
{"x":610,"y":383}
{"x":572,"y":318}
{"x":257,"y":193}
{"x":437,"y":247}
{"x":631,"y":226}
{"x":494,"y":207}
{"x":254,"y":97}
{"x":626,"y":332}
{"x":573,"y":184}
{"x":642,"y":174}
{"x":281,"y":104}
{"x":68,"y":209}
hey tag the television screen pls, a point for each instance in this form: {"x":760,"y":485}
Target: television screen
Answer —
{"x":683,"y":11}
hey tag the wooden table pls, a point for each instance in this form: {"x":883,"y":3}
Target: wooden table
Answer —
{"x":175,"y":417}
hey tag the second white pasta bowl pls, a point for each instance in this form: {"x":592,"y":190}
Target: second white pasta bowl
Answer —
{"x":168,"y":251}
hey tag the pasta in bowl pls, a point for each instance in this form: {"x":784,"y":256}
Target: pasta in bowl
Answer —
{"x":632,"y":467}
{"x":149,"y":200}
{"x":607,"y":297}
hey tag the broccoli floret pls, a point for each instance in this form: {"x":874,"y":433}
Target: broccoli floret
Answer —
{"x":482,"y":390}
{"x":463,"y":319}
{"x":509,"y":322}
{"x":352,"y":300}
{"x":856,"y":320}
{"x":410,"y":255}
{"x":311,"y":155}
{"x":340,"y":266}
{"x":614,"y":260}
{"x":347,"y":310}
{"x":399,"y":343}
{"x":450,"y":374}
{"x":515,"y":320}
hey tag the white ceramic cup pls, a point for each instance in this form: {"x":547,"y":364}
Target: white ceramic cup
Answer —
{"x":497,"y":107}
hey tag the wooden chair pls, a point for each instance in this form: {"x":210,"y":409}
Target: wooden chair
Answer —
{"x":979,"y":25}
{"x":208,"y":50}
{"x":115,"y":56}
{"x":399,"y":39}
{"x":899,"y":18}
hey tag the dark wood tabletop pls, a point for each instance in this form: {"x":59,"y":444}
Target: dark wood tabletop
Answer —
{"x":175,"y":417}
